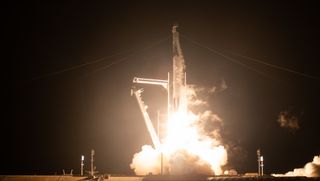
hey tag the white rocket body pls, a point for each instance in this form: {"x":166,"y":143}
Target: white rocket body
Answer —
{"x":178,"y":83}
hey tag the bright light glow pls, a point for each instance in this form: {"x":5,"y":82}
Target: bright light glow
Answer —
{"x":82,"y":157}
{"x":186,"y":148}
{"x":183,"y":134}
{"x":191,"y":144}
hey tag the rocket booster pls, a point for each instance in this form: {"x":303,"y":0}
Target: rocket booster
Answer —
{"x":175,"y":85}
{"x":179,"y":97}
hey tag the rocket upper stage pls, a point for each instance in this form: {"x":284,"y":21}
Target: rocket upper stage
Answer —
{"x":179,"y":74}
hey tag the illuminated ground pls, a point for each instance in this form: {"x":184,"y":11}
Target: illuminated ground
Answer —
{"x":151,"y":178}
{"x":224,"y":178}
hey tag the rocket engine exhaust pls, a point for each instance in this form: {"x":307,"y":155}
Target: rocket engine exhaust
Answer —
{"x":186,"y":148}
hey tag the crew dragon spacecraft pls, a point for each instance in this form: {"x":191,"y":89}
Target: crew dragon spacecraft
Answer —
{"x":175,"y":86}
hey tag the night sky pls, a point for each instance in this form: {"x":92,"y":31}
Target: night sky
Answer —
{"x":52,"y":116}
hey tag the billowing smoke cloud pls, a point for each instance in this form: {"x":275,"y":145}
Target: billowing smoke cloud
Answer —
{"x":146,"y":161}
{"x":209,"y":123}
{"x":220,"y":86}
{"x":311,"y":169}
{"x":183,"y":162}
{"x":193,"y":143}
{"x":193,"y":96}
{"x":288,"y":120}
{"x":198,"y":96}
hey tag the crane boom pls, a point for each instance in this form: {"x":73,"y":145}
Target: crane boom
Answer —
{"x":147,"y":120}
{"x":163,"y":83}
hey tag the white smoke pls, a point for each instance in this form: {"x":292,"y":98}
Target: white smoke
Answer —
{"x":289,"y":121}
{"x":146,"y":161}
{"x":220,"y":86}
{"x":197,"y":150}
{"x":193,"y":98}
{"x":223,"y":85}
{"x":311,"y":169}
{"x":183,"y":162}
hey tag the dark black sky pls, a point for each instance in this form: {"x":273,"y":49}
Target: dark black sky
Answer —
{"x":49,"y":122}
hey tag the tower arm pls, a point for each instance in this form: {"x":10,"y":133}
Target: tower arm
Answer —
{"x":163,"y":83}
{"x":147,"y":120}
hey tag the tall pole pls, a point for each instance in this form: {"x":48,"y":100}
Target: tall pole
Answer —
{"x":261,"y":164}
{"x":158,"y":123}
{"x":161,"y":154}
{"x":258,"y":155}
{"x":92,"y":169}
{"x":161,"y":170}
{"x":82,"y":159}
{"x":169,"y":92}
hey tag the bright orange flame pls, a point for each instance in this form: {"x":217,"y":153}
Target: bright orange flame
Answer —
{"x":185,"y":149}
{"x":183,"y":134}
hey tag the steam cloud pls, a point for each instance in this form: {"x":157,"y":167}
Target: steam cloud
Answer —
{"x":311,"y":169}
{"x":201,"y":150}
{"x":289,"y":121}
{"x":220,"y":86}
{"x":146,"y":161}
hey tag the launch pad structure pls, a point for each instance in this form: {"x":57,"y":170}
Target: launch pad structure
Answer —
{"x":175,"y":87}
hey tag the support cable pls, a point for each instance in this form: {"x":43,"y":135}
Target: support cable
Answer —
{"x":85,"y":64}
{"x":251,"y":59}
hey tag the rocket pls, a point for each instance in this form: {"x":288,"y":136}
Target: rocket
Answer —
{"x":178,"y":85}
{"x":175,"y":85}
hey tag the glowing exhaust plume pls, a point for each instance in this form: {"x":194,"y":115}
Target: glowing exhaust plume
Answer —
{"x":191,"y":144}
{"x":188,"y":147}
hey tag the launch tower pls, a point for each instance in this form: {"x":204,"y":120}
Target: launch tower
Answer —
{"x":175,"y":87}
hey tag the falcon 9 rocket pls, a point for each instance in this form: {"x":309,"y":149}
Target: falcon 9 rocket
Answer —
{"x":178,"y":84}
